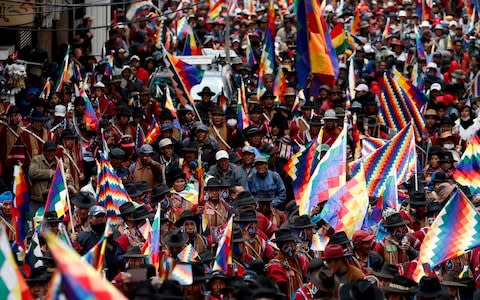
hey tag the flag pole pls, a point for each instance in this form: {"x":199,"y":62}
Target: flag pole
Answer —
{"x":68,"y":196}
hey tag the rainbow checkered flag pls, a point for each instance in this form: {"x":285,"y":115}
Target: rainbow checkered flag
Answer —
{"x":455,"y":231}
{"x":188,"y":254}
{"x":79,"y":279}
{"x":12,"y":283}
{"x":329,"y":175}
{"x":346,"y":209}
{"x":468,"y":168}
{"x":58,"y":193}
{"x":224,"y":249}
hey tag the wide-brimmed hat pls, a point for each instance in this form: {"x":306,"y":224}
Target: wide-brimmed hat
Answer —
{"x":134,"y":252}
{"x":394,"y":220}
{"x":127,"y":208}
{"x":132,"y":191}
{"x":418,"y":199}
{"x":187,"y":216}
{"x":244,"y":198}
{"x":141,"y":213}
{"x":334,"y":251}
{"x":39,"y":275}
{"x":302,"y":222}
{"x":400,"y":285}
{"x":68,"y":133}
{"x":447,"y":157}
{"x":176,"y":238}
{"x":206,"y":91}
{"x":283,"y":235}
{"x":51,"y":217}
{"x":315,"y":121}
{"x":361,"y":289}
{"x":142,"y":186}
{"x":451,"y":279}
{"x":388,"y":271}
{"x":429,"y":287}
{"x":159,"y":191}
{"x":330,"y":115}
{"x":84,"y":200}
{"x":246,"y":216}
{"x":264,"y":196}
{"x":339,"y":238}
{"x":215,"y":183}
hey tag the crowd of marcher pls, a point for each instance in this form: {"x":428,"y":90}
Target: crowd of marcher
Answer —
{"x":244,"y":167}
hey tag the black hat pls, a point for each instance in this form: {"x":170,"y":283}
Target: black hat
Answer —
{"x":244,"y":198}
{"x":388,"y":271}
{"x":439,"y":177}
{"x":124,"y":111}
{"x":134,"y":252}
{"x":268,"y":94}
{"x":132,"y":190}
{"x":315,"y":264}
{"x":246,"y":216}
{"x":447,"y":157}
{"x":308,"y":105}
{"x":214,"y":183}
{"x":429,"y":287}
{"x":68,"y":133}
{"x":394,"y":220}
{"x":417,"y":200}
{"x":339,"y":238}
{"x":176,"y":238}
{"x":166,"y":115}
{"x":315,"y":121}
{"x":451,"y":278}
{"x":206,"y":91}
{"x":206,"y":256}
{"x":38,"y":116}
{"x":251,"y":130}
{"x":13,"y":110}
{"x":237,"y":235}
{"x":117,"y":153}
{"x":84,"y":200}
{"x":143,"y":187}
{"x":433,"y":207}
{"x":50,"y":217}
{"x":198,"y":272}
{"x":264,"y":196}
{"x":283,"y":235}
{"x":174,"y":174}
{"x":361,"y":289}
{"x":49,"y":146}
{"x":159,"y":191}
{"x":39,"y":275}
{"x":400,"y":285}
{"x":127,"y":208}
{"x":141,"y":213}
{"x":256,"y":109}
{"x":187,"y":216}
{"x":302,"y":222}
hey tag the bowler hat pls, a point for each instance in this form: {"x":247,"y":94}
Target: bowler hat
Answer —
{"x":418,"y":199}
{"x":51,"y":217}
{"x":206,"y":91}
{"x":429,"y":287}
{"x":134,"y":252}
{"x":451,"y":278}
{"x":84,"y":200}
{"x":39,"y":275}
{"x":159,"y":191}
{"x":339,"y":238}
{"x":334,"y":251}
{"x":302,"y":222}
{"x":244,"y":198}
{"x":187,"y":216}
{"x":127,"y":208}
{"x":394,"y":220}
{"x":400,"y":285}
{"x":264,"y":196}
{"x":388,"y":271}
{"x":176,"y":238}
{"x":246,"y":216}
{"x":361,"y":289}
{"x":283,"y":235}
{"x":141,"y":213}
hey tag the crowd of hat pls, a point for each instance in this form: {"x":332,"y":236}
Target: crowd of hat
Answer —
{"x":273,"y":248}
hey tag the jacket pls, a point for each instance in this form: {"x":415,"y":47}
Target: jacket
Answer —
{"x":234,"y":174}
{"x":271,"y":183}
{"x":40,"y":173}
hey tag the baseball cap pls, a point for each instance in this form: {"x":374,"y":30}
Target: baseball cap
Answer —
{"x":260,"y":159}
{"x":96,"y":210}
{"x":361,"y":236}
{"x":248,"y":149}
{"x":222,"y":154}
{"x":436,"y":87}
{"x":60,"y":110}
{"x":146,"y":149}
{"x":362,"y":87}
